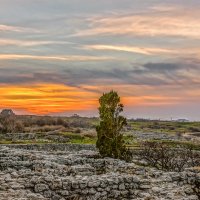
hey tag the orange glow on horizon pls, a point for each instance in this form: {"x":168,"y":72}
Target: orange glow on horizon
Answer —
{"x":46,"y":98}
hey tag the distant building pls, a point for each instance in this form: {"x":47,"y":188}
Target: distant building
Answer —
{"x":7,"y":112}
{"x":182,"y":120}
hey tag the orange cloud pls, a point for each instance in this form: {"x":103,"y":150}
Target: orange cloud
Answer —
{"x":57,"y":98}
{"x":156,"y":100}
{"x":46,"y":98}
{"x":133,"y":95}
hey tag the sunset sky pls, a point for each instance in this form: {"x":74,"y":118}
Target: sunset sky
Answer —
{"x":58,"y":56}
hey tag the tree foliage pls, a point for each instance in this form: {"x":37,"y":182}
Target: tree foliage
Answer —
{"x":110,"y":139}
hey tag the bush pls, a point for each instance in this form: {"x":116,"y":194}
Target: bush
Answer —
{"x":10,"y":124}
{"x":164,"y":157}
{"x":19,"y":127}
{"x":78,"y":130}
{"x":194,"y":129}
{"x":79,"y":122}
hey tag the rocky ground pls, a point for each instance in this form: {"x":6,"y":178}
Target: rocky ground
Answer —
{"x":76,"y":172}
{"x":143,"y":136}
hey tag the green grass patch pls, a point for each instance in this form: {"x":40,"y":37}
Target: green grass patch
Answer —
{"x":71,"y":135}
{"x":84,"y":140}
{"x":165,"y":126}
{"x":25,"y":142}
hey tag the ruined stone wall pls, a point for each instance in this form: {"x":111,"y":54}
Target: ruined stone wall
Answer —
{"x":53,"y":147}
{"x":113,"y":186}
{"x":77,"y":173}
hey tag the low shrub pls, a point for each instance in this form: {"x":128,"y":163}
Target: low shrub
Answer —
{"x":10,"y":124}
{"x":163,"y":156}
{"x":78,"y":130}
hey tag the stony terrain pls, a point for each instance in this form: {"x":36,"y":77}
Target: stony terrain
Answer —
{"x":142,"y":136}
{"x":40,"y":172}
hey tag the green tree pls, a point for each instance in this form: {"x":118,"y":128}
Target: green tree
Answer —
{"x":110,"y":139}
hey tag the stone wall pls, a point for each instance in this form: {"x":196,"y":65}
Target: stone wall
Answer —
{"x":53,"y":147}
{"x":113,"y":186}
{"x":52,"y":136}
{"x":18,"y":136}
{"x":32,"y":172}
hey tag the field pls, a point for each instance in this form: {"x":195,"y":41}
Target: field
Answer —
{"x":172,"y":127}
{"x":81,"y":130}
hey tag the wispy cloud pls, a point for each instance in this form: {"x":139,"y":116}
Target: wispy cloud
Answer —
{"x":28,"y":43}
{"x":9,"y":28}
{"x":133,"y":49}
{"x":52,"y":58}
{"x":166,"y":8}
{"x":176,"y":52}
{"x":149,"y":74}
{"x":180,"y":23}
